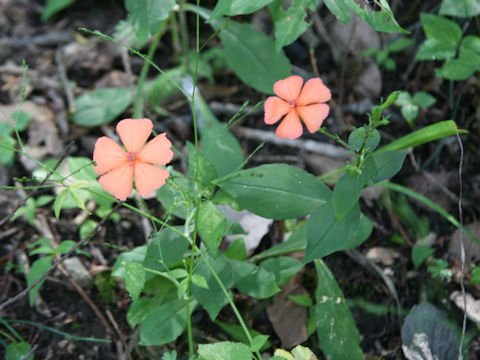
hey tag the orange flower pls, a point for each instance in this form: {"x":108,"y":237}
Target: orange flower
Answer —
{"x":118,"y":167}
{"x":297,"y":103}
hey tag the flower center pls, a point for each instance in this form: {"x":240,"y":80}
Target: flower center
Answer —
{"x":293,"y":103}
{"x":131,"y":157}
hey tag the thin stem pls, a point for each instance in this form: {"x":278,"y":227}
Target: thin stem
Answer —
{"x":138,"y":104}
{"x":335,"y":137}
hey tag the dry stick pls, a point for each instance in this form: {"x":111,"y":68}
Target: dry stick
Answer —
{"x":63,"y":77}
{"x":61,"y":260}
{"x":34,"y":191}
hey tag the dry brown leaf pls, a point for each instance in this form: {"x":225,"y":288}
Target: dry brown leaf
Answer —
{"x":472,"y":250}
{"x":288,"y":319}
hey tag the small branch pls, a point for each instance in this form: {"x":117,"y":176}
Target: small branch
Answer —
{"x":63,"y":77}
{"x":61,"y":260}
{"x":306,"y":145}
{"x":34,"y":192}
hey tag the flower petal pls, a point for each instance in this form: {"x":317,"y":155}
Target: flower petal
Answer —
{"x":290,"y":127}
{"x":134,"y":132}
{"x":157,"y":151}
{"x":108,"y":155}
{"x":289,"y":88}
{"x":118,"y":182}
{"x":275,"y":108}
{"x":313,"y":115}
{"x":149,"y":177}
{"x":313,"y":92}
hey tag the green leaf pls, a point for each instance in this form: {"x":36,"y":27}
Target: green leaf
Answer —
{"x":303,"y":353}
{"x":165,"y":249}
{"x":463,"y":8}
{"x":218,"y":144}
{"x":258,"y":342}
{"x":302,"y":300}
{"x":283,"y":268}
{"x":98,"y":107}
{"x":134,"y":279}
{"x":296,"y":242}
{"x":423,"y":99}
{"x":237,"y":250}
{"x":400,"y":44}
{"x":22,"y":119}
{"x":206,"y":171}
{"x":212,"y":226}
{"x":408,"y":107}
{"x":6,"y":155}
{"x":199,"y":281}
{"x":443,"y":36}
{"x":290,"y":24}
{"x":346,"y":193}
{"x":253,"y":280}
{"x":213,"y":298}
{"x":381,"y":20}
{"x":137,"y":255}
{"x":467,"y":62}
{"x":18,"y":351}
{"x":57,"y":204}
{"x":147,"y":15}
{"x":65,"y":246}
{"x":326,"y":234}
{"x":237,"y":7}
{"x":54,"y":6}
{"x":39,"y":267}
{"x":420,"y":253}
{"x":336,"y":329}
{"x":224,"y":350}
{"x":78,"y":200}
{"x":357,"y":136}
{"x":164,"y":323}
{"x":251,"y":54}
{"x":424,"y":135}
{"x":237,"y":333}
{"x":277,"y":191}
{"x":172,"y":194}
{"x":475,"y":275}
{"x":382,"y":165}
{"x":339,"y":8}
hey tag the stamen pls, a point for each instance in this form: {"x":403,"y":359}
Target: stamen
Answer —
{"x":131,"y":156}
{"x":293,"y":103}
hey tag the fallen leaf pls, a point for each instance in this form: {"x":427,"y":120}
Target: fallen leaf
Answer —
{"x":289,"y":320}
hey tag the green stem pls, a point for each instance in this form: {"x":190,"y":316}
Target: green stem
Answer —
{"x":336,"y":138}
{"x":138,"y":104}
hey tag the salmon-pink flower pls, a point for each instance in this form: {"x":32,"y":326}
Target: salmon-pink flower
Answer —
{"x":296,"y":103}
{"x":118,"y":167}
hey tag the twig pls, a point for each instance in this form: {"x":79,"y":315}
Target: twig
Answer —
{"x":364,"y":261}
{"x":34,"y":191}
{"x":316,"y":147}
{"x":63,"y":77}
{"x":47,"y":39}
{"x":61,"y":260}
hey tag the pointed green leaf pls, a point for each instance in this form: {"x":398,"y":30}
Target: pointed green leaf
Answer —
{"x":134,"y":279}
{"x":57,"y":204}
{"x":346,"y":193}
{"x":424,"y":135}
{"x":277,"y":191}
{"x":39,"y":267}
{"x":224,"y":350}
{"x":336,"y":329}
{"x":212,"y":226}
